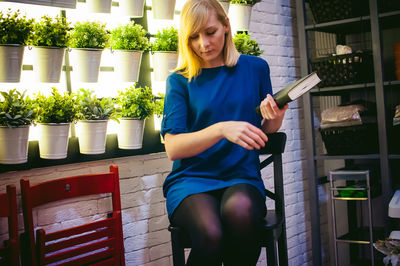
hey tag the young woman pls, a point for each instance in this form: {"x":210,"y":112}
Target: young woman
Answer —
{"x":213,"y":134}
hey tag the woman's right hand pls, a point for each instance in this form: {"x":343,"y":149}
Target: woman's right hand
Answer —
{"x":244,"y":134}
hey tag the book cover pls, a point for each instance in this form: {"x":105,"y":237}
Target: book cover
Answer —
{"x":294,"y":90}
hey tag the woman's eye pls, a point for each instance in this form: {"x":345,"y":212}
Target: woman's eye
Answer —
{"x":211,"y":32}
{"x":193,"y":37}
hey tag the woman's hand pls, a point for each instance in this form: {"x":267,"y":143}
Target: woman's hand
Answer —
{"x":270,"y":110}
{"x":272,"y":114}
{"x":244,"y":134}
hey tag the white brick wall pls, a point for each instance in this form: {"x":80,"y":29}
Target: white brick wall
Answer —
{"x":147,"y":241}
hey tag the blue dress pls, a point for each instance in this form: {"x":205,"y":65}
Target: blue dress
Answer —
{"x":217,"y":94}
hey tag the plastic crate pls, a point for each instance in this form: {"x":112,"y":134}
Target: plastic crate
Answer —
{"x":330,"y":10}
{"x":352,"y":140}
{"x":344,"y":69}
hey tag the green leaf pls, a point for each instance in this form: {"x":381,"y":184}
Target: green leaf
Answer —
{"x":166,"y":40}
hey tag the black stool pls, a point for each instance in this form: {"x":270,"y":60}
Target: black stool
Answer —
{"x":274,"y":239}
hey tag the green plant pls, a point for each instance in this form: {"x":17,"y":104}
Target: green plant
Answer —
{"x":159,"y":104}
{"x":50,"y":31}
{"x":135,"y":103}
{"x":16,"y":109}
{"x":166,"y":40}
{"x":15,"y":29}
{"x":244,"y":2}
{"x":246,"y":46}
{"x":89,"y":35}
{"x":55,"y":108}
{"x":92,"y":108}
{"x":129,"y":37}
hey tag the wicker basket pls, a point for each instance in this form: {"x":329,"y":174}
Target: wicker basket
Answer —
{"x":344,"y":69}
{"x":329,"y":10}
{"x":360,"y":139}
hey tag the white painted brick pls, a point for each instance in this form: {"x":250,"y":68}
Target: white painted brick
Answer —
{"x":160,"y":262}
{"x":152,"y":181}
{"x":69,"y":212}
{"x":159,"y":237}
{"x":160,"y":251}
{"x":143,"y":212}
{"x":158,"y":223}
{"x":136,"y":228}
{"x":138,"y":257}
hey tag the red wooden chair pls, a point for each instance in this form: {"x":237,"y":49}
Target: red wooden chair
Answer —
{"x":9,"y":254}
{"x":95,"y":243}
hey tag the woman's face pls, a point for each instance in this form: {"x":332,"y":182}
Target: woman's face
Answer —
{"x":209,"y":42}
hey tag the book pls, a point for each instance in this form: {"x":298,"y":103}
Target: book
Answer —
{"x":294,"y":90}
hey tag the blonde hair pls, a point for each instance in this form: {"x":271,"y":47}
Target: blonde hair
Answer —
{"x":194,"y":16}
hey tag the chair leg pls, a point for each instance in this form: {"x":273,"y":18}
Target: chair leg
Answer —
{"x":282,"y":247}
{"x":178,"y":252}
{"x":272,"y":256}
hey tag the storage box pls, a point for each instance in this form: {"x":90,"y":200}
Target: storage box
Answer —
{"x":344,"y":69}
{"x":329,"y":10}
{"x":351,"y":140}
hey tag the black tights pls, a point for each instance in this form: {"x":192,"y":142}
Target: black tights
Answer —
{"x":224,"y":225}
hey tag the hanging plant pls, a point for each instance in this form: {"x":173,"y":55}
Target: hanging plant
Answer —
{"x":89,"y":35}
{"x":245,"y":45}
{"x":129,"y":37}
{"x":16,"y":109}
{"x":52,"y":32}
{"x":15,"y":29}
{"x":56,"y":108}
{"x":89,"y":107}
{"x":166,"y":40}
{"x":135,"y":103}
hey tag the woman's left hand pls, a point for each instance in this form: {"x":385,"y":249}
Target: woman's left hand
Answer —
{"x":270,"y":110}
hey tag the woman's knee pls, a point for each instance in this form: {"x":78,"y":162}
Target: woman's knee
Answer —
{"x":208,"y":240}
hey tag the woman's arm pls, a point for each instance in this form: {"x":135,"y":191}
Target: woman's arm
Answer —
{"x":186,"y":145}
{"x":273,"y":116}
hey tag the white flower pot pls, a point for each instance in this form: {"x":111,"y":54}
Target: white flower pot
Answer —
{"x":163,"y":63}
{"x":130,"y":133}
{"x":225,"y":5}
{"x":47,"y":63}
{"x":14,"y":145}
{"x":53,"y":140}
{"x":99,"y":6}
{"x":86,"y":64}
{"x":132,"y":8}
{"x":163,"y":9}
{"x":11,"y":56}
{"x":239,"y":16}
{"x":92,"y":136}
{"x":127,"y":65}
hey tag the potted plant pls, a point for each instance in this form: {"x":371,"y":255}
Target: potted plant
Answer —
{"x":165,"y":52}
{"x":128,"y":43}
{"x":239,"y":14}
{"x":14,"y":35}
{"x":93,"y":115}
{"x":54,"y":116}
{"x":50,"y":39}
{"x":134,"y":105}
{"x":16,"y":114}
{"x":225,"y":5}
{"x":88,"y":40}
{"x":245,"y":45}
{"x":158,"y":112}
{"x":132,"y":8}
{"x":163,"y":9}
{"x":99,"y":6}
